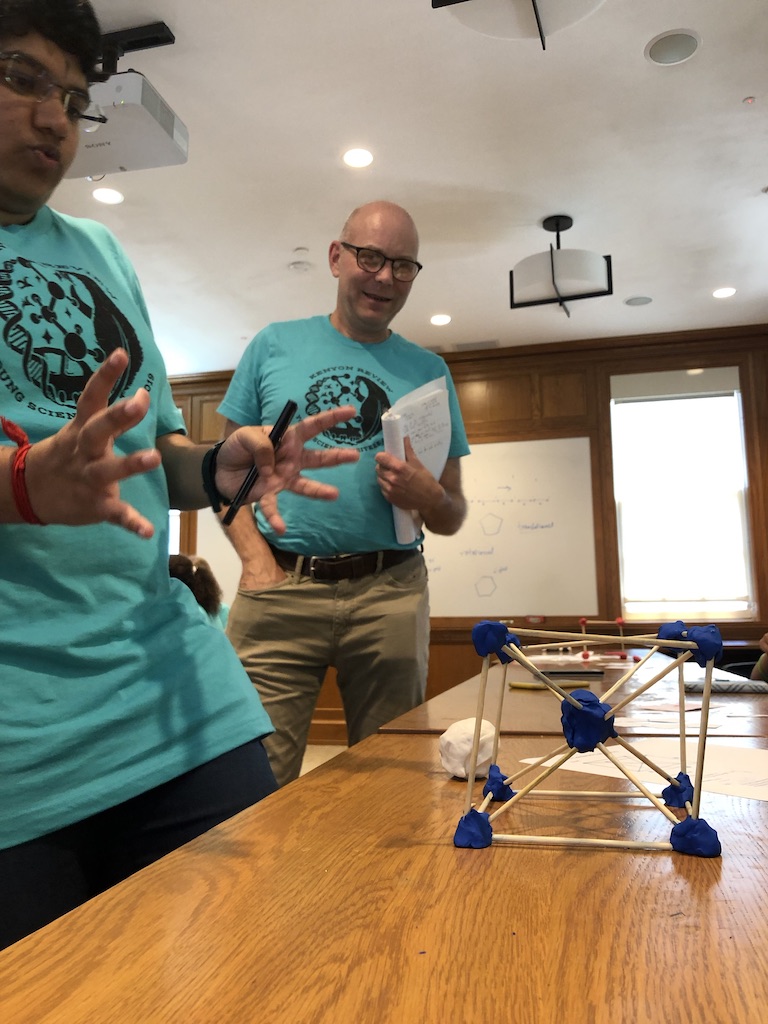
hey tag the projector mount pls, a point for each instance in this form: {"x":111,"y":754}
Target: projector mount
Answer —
{"x":128,"y":40}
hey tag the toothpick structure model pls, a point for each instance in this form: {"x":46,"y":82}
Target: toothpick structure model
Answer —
{"x":588,"y":724}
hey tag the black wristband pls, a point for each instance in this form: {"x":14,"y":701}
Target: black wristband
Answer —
{"x":208,"y":469}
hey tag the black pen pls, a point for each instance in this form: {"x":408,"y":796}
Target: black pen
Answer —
{"x":276,"y":435}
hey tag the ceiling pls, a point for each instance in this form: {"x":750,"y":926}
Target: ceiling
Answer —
{"x":480,"y":138}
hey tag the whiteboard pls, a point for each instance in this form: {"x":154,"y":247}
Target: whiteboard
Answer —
{"x":528,"y":544}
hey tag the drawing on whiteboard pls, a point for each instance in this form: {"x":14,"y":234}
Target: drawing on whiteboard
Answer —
{"x":528,"y":544}
{"x":491,"y":525}
{"x":485,"y":586}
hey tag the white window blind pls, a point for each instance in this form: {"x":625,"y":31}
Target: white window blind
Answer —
{"x":680,"y":487}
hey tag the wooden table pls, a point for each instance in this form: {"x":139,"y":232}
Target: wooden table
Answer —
{"x":342,"y":900}
{"x":528,"y":712}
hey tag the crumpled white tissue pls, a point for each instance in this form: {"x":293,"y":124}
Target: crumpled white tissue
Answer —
{"x":456,"y":748}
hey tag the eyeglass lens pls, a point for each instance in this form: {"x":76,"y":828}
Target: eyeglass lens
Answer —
{"x":26,"y":77}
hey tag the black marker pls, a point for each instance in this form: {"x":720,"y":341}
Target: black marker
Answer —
{"x":276,"y":435}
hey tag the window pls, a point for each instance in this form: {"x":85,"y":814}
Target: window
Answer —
{"x":680,"y":485}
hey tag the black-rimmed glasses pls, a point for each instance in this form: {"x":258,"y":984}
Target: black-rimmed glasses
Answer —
{"x":28,"y":77}
{"x":371,"y":261}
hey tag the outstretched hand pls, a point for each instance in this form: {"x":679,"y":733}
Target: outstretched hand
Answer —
{"x":282,"y":470}
{"x":73,"y":477}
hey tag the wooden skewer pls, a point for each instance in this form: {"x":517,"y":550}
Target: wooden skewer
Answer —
{"x":606,"y":622}
{"x":518,"y":655}
{"x":681,"y":704}
{"x":536,"y":764}
{"x":684,"y":644}
{"x":613,"y":844}
{"x":476,"y":736}
{"x":689,"y":808}
{"x":497,"y":723}
{"x":605,"y":641}
{"x":703,"y":728}
{"x":486,"y":800}
{"x":646,"y":686}
{"x":532,"y":785}
{"x":646,"y":760}
{"x":628,"y":675}
{"x":636,"y":782}
{"x":611,"y":794}
{"x":580,"y":638}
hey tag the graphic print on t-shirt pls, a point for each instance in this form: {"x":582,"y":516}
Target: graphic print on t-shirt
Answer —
{"x":63,"y":325}
{"x":345,"y":386}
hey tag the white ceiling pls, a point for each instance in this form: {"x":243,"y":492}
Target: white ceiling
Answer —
{"x":479,"y":137}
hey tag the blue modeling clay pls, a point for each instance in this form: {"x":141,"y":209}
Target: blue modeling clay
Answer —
{"x":710,"y":643}
{"x":510,"y":638}
{"x":707,"y":637}
{"x":677,"y":796}
{"x":695,"y":836}
{"x":671,"y":630}
{"x":585,"y":727}
{"x":495,"y":785}
{"x":488,"y":636}
{"x":474,"y":831}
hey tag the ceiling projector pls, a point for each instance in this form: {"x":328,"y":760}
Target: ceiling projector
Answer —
{"x":141,"y":130}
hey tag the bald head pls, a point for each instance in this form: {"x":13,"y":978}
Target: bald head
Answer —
{"x":367,"y":301}
{"x":382,"y":213}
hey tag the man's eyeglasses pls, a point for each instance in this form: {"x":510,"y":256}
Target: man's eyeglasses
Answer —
{"x":27,"y":77}
{"x":371,"y":261}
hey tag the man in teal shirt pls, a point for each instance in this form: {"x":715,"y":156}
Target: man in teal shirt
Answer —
{"x":337,"y":588}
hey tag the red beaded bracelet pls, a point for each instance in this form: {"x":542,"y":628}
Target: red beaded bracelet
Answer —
{"x":18,"y":467}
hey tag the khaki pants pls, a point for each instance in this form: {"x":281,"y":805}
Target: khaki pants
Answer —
{"x":374,"y":631}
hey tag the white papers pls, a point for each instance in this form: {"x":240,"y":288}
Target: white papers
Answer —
{"x":691,"y":673}
{"x":657,"y":719}
{"x":424,"y":416}
{"x":732,"y":771}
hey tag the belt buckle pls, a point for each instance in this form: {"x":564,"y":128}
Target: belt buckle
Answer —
{"x":312,"y":560}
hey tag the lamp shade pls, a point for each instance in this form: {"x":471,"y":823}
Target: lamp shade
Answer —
{"x":515,"y":19}
{"x":578,"y":274}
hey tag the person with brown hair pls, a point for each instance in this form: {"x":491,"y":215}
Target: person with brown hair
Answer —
{"x":197,"y":574}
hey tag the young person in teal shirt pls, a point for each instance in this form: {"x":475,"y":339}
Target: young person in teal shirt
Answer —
{"x":127,"y":725}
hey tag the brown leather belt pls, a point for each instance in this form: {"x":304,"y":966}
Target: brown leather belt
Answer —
{"x":341,"y":567}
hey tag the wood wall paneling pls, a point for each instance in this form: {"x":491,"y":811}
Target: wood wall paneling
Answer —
{"x":211,"y":422}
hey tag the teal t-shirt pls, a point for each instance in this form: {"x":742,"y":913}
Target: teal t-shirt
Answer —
{"x":320,"y":368}
{"x":110,"y":681}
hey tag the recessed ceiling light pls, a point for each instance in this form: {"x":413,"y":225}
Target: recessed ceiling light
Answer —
{"x":440,"y":319}
{"x":723,"y":293}
{"x":299,"y":262}
{"x":696,"y":372}
{"x":358,"y":158}
{"x":673,"y":47}
{"x":108,"y":195}
{"x":638,"y":300}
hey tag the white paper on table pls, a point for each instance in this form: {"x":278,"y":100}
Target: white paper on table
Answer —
{"x":692,"y":673}
{"x":731,"y":771}
{"x":667,"y":719}
{"x":424,"y":416}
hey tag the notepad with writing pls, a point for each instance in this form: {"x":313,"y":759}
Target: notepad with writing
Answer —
{"x":424,"y":416}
